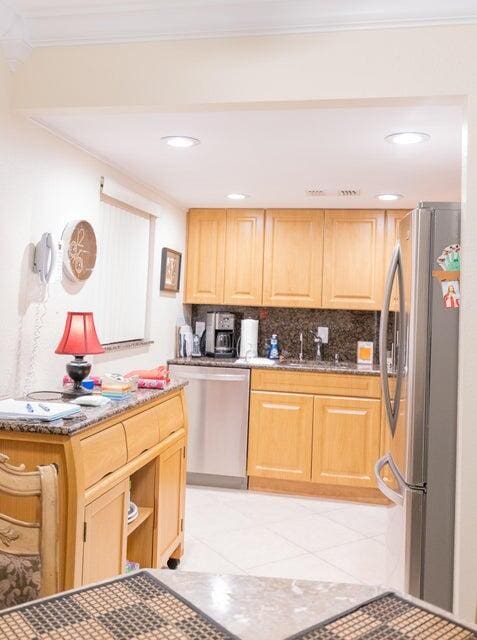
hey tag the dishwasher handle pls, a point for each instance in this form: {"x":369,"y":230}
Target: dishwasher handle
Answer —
{"x":213,"y":377}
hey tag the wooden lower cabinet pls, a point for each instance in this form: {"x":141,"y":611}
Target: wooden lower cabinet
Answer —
{"x":280,"y":436}
{"x":105,"y":534}
{"x":315,"y":434}
{"x":137,"y":454}
{"x":171,"y":476}
{"x":346,"y":440}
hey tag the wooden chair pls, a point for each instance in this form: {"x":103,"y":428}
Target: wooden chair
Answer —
{"x":28,"y":550}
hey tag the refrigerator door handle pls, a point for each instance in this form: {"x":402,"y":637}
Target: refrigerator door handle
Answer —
{"x":395,"y":267}
{"x":395,"y":496}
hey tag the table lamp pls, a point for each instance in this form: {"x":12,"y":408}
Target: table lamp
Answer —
{"x":79,"y":338}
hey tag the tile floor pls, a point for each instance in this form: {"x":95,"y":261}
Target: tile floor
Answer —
{"x":260,"y":534}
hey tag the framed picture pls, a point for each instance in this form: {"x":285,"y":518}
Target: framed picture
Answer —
{"x":170,"y":270}
{"x":451,"y":293}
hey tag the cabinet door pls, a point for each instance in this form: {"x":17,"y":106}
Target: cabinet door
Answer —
{"x":293,"y":258}
{"x":346,"y":440}
{"x":280,"y":436}
{"x":393,"y":219}
{"x":205,"y":257}
{"x":105,"y":534}
{"x":244,"y":257}
{"x":353,"y":267}
{"x":170,"y":488}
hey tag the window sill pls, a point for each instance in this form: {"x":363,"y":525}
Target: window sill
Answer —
{"x":128,"y":344}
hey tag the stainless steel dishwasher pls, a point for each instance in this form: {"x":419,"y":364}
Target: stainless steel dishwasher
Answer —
{"x":217,"y":400}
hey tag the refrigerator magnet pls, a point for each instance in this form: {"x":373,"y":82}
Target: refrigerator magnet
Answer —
{"x":451,"y":294}
{"x":365,"y":352}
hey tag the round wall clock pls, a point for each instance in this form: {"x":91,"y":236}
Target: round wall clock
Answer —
{"x":79,"y":250}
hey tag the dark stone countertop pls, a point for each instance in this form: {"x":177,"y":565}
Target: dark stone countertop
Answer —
{"x":90,"y":416}
{"x":286,"y":365}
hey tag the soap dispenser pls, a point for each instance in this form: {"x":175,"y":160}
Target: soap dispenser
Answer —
{"x":273,"y":355}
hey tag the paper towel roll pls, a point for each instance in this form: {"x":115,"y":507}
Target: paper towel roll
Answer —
{"x":248,"y":338}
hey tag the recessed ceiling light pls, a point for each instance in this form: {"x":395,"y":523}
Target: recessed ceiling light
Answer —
{"x":180,"y":142}
{"x":237,"y":196}
{"x":408,"y":137}
{"x":389,"y":196}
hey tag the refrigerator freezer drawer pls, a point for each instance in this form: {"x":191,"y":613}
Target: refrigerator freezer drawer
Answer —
{"x":404,"y":535}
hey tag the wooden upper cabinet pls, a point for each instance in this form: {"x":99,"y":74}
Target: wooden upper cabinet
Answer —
{"x":205,"y":256}
{"x":353,"y":272}
{"x":244,"y":257}
{"x":346,"y":440}
{"x":393,"y":220}
{"x":293,"y":258}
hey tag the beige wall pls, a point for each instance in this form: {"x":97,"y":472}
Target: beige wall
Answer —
{"x":44,"y":183}
{"x":352,"y":65}
{"x":407,"y":64}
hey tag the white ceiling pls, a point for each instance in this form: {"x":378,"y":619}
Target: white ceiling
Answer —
{"x":54,"y":22}
{"x":276,"y":155}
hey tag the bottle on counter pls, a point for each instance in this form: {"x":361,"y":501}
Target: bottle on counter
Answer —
{"x":274,"y":348}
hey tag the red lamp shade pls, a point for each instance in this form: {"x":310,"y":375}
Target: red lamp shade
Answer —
{"x":79,"y":337}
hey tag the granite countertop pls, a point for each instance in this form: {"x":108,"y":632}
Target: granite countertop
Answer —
{"x":249,"y":607}
{"x":90,"y":415}
{"x":286,"y":365}
{"x":259,"y":608}
{"x":255,"y":608}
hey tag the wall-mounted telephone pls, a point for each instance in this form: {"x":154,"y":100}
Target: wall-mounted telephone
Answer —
{"x":45,"y":258}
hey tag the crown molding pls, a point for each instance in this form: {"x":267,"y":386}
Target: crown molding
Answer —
{"x":105,"y":22}
{"x":13,"y":37}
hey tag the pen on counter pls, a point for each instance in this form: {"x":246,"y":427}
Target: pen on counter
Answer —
{"x":29,"y":408}
{"x":44,"y":407}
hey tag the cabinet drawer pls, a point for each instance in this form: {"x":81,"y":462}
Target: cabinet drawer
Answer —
{"x":103,"y":453}
{"x":142,"y":432}
{"x":170,"y":416}
{"x":335,"y":384}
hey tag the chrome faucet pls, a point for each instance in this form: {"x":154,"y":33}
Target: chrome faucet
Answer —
{"x":319,"y":345}
{"x":300,"y":356}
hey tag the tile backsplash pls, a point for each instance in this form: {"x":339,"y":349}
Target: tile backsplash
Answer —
{"x":345,"y":328}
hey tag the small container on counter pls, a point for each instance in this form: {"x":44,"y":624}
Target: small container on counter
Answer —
{"x":274,"y":352}
{"x":365,"y":352}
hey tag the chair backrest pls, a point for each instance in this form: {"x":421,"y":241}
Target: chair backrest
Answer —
{"x":21,"y":538}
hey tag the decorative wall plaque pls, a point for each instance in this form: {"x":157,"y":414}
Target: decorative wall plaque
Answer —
{"x":79,"y":250}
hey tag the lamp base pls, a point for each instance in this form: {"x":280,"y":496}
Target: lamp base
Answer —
{"x":78,"y":369}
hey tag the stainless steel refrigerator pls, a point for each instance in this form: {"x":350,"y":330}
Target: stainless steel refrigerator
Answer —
{"x":421,"y":408}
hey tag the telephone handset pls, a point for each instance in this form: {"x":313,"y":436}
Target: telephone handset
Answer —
{"x":45,"y":258}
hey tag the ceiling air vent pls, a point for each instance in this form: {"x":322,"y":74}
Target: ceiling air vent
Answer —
{"x":349,"y":193}
{"x":314,"y":193}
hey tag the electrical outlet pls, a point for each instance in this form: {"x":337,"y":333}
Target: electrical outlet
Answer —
{"x":323,"y":333}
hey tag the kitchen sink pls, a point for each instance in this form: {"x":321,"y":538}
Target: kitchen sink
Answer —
{"x":257,"y":362}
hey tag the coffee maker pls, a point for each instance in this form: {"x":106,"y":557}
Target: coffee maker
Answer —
{"x":220,"y":335}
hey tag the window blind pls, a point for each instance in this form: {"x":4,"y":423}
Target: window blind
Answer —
{"x":122,"y":272}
